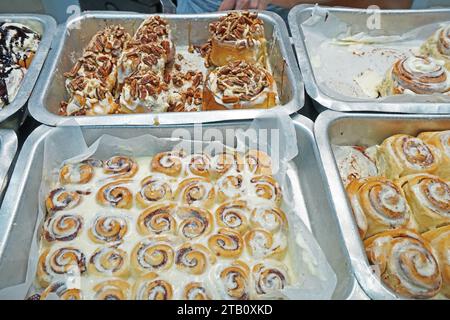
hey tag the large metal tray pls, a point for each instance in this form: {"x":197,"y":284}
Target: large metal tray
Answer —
{"x":12,"y":115}
{"x":72,"y":37}
{"x":394,"y":22}
{"x":19,"y":210}
{"x":8,"y":149}
{"x":334,"y":128}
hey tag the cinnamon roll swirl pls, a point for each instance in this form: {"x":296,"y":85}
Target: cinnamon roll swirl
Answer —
{"x":152,"y":254}
{"x":153,"y":189}
{"x":59,"y":263}
{"x":200,"y":165}
{"x":76,"y":173}
{"x":108,"y":229}
{"x":233,"y":281}
{"x":233,"y":215}
{"x":196,"y":291}
{"x":441,"y":141}
{"x":227,"y":162}
{"x":440,"y":241}
{"x":378,"y":205}
{"x":401,"y":155}
{"x":429,"y":198}
{"x":258,"y":162}
{"x":406,"y":263}
{"x":109,"y":261}
{"x":157,"y":219}
{"x":62,"y":199}
{"x":226,"y":243}
{"x":267,"y":189}
{"x":195,"y":222}
{"x":114,"y":289}
{"x":230,"y":187}
{"x":168,"y":163}
{"x":194,"y":258}
{"x":62,"y":227}
{"x":270,"y":277}
{"x":438,"y":45}
{"x":269,"y":218}
{"x":61,"y":291}
{"x":261,"y":244}
{"x":120,"y":167}
{"x":151,"y":287}
{"x":416,"y":75}
{"x":199,"y":192}
{"x":115,"y":194}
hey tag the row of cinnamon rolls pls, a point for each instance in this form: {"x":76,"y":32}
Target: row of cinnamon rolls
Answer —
{"x":400,"y":195}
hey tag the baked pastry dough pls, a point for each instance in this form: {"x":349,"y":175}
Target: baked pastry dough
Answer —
{"x":441,"y":141}
{"x":438,"y":45}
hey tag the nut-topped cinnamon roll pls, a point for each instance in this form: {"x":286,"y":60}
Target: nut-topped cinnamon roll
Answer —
{"x":108,"y":229}
{"x":168,"y":163}
{"x":157,"y":219}
{"x":429,"y":198}
{"x":258,"y":162}
{"x":237,"y":36}
{"x":230,"y":187}
{"x":378,"y":205}
{"x":196,"y":222}
{"x":270,"y":277}
{"x":416,"y":75}
{"x":110,"y":41}
{"x":60,"y":262}
{"x":78,"y":173}
{"x":262,"y":244}
{"x":406,"y":263}
{"x":62,"y":199}
{"x":115,"y":194}
{"x":61,"y":290}
{"x":109,"y":261}
{"x":228,"y":162}
{"x":114,"y":289}
{"x":232,"y":281}
{"x":239,"y":85}
{"x":438,"y":45}
{"x":269,"y":218}
{"x":152,"y":287}
{"x":120,"y":167}
{"x":440,"y":241}
{"x":153,"y":254}
{"x":153,"y":189}
{"x":199,"y":192}
{"x":62,"y":227}
{"x":196,"y":291}
{"x":233,"y":215}
{"x":441,"y":141}
{"x":194,"y":258}
{"x":266,"y":189}
{"x":401,"y":155}
{"x":226,"y":243}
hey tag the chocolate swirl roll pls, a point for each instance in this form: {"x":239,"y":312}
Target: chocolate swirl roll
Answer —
{"x":62,"y":199}
{"x":233,"y":281}
{"x":151,"y":287}
{"x":64,"y":227}
{"x":108,"y":229}
{"x":115,"y":289}
{"x":158,"y":219}
{"x":199,"y":192}
{"x":154,"y":189}
{"x":168,"y":163}
{"x":233,"y":215}
{"x":226,"y":243}
{"x":195,"y":222}
{"x":109,"y":261}
{"x":193,"y":258}
{"x":152,"y":254}
{"x":200,"y":165}
{"x":116,"y":194}
{"x":270,"y":277}
{"x":227,"y":162}
{"x":196,"y":291}
{"x":120,"y":167}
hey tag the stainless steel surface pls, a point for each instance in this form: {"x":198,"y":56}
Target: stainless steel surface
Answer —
{"x":168,"y":6}
{"x":70,"y":41}
{"x":394,"y":22}
{"x":19,"y":210}
{"x":334,"y":128}
{"x":12,"y":115}
{"x":8,"y":149}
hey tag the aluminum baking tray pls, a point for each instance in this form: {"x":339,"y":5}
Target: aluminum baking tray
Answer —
{"x":394,"y":22}
{"x":334,"y":128}
{"x":72,"y":37}
{"x":12,"y":115}
{"x":8,"y":149}
{"x":19,"y":210}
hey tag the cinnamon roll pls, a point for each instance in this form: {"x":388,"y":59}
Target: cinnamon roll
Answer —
{"x":228,"y":162}
{"x":237,"y":36}
{"x":76,"y":173}
{"x":438,"y":45}
{"x":233,"y":281}
{"x":440,"y":241}
{"x":120,"y":167}
{"x":195,"y":222}
{"x":108,"y":229}
{"x":239,"y":85}
{"x":406,"y":263}
{"x":157,"y":219}
{"x":261,"y":244}
{"x":233,"y":215}
{"x":199,"y":192}
{"x":441,"y":141}
{"x":416,"y":75}
{"x":270,"y":277}
{"x":109,"y":261}
{"x":267,"y":189}
{"x":114,"y":289}
{"x":59,"y":263}
{"x":258,"y":162}
{"x":269,"y":218}
{"x":115,"y":194}
{"x":401,"y":155}
{"x":196,"y":291}
{"x":194,"y":258}
{"x":152,"y":254}
{"x":153,"y":189}
{"x":62,"y":227}
{"x":378,"y":205}
{"x":226,"y":243}
{"x":168,"y":163}
{"x":199,"y":165}
{"x":62,"y":199}
{"x":151,"y":287}
{"x":429,"y":198}
{"x":61,"y":291}
{"x":230,"y":187}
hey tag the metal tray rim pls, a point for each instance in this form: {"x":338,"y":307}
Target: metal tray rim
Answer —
{"x":40,"y":113}
{"x":315,"y":91}
{"x":8,"y":150}
{"x":29,"y":81}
